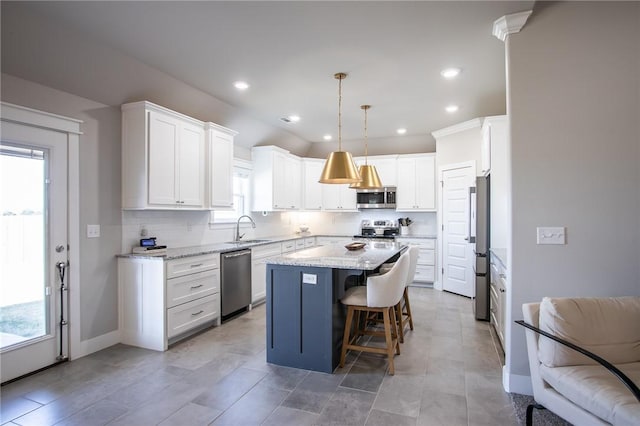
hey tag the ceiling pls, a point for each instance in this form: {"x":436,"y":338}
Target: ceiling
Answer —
{"x":288,"y":52}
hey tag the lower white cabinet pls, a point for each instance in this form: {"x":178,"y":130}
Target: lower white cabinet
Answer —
{"x":498,"y":294}
{"x":426,"y":268}
{"x":325,"y":240}
{"x":259,"y":270}
{"x":164,"y":301}
{"x":260,"y":254}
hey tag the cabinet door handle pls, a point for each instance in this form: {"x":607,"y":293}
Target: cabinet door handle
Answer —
{"x":193,"y":287}
{"x":197,"y":265}
{"x":197,"y":313}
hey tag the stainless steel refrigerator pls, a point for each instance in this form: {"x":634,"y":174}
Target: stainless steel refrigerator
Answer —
{"x":480,"y":235}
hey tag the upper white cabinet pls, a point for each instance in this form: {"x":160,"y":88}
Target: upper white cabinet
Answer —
{"x":338,"y":197}
{"x":311,"y":188}
{"x":386,"y":166}
{"x":416,"y":186}
{"x":277,"y":179}
{"x":497,"y":128}
{"x":163,"y":159}
{"x":494,"y":131}
{"x":220,"y":166}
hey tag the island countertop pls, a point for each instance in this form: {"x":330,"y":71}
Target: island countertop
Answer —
{"x":335,"y":255}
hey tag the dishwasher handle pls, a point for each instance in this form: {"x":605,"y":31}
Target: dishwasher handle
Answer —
{"x":236,"y":254}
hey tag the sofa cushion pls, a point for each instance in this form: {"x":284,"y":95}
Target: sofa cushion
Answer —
{"x":608,"y":327}
{"x":596,"y":390}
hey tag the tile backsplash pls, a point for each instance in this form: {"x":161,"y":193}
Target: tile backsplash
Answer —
{"x":191,"y":228}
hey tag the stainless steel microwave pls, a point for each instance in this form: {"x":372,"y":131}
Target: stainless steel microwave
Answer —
{"x":379,"y":198}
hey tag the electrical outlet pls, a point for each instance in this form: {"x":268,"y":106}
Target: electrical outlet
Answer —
{"x":93,"y":231}
{"x":551,"y":235}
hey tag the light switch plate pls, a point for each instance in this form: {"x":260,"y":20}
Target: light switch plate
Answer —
{"x":551,"y":235}
{"x":93,"y":231}
{"x":309,"y":279}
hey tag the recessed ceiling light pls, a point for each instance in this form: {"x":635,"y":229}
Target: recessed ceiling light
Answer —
{"x":241,"y":85}
{"x":450,"y":73}
{"x":327,"y":137}
{"x":452,"y":108}
{"x":294,"y":118}
{"x":401,"y":131}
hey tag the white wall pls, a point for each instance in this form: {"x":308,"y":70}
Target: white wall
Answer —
{"x":377,"y":146}
{"x":99,"y":196}
{"x":574,"y":105}
{"x":459,"y":146}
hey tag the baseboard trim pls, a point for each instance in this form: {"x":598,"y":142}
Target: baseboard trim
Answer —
{"x":97,"y":343}
{"x":515,"y":383}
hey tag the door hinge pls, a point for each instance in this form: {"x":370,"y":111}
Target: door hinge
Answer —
{"x":443,"y":227}
{"x":442,"y":183}
{"x":442,"y":271}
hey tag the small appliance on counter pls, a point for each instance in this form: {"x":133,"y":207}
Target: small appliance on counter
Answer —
{"x":385,"y":229}
{"x":149,"y":247}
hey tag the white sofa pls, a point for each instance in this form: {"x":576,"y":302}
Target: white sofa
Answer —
{"x":575,"y":386}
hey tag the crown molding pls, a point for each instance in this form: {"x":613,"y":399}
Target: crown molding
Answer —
{"x":465,"y":125}
{"x":510,"y":24}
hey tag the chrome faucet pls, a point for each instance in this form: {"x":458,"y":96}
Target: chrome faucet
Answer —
{"x":253,"y":225}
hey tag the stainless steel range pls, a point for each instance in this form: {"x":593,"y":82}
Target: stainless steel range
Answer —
{"x":383,"y":229}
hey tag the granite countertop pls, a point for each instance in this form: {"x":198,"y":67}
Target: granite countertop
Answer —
{"x":337,"y":256}
{"x":180,"y":252}
{"x":501,"y":254}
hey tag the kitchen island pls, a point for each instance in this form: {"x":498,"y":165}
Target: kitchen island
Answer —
{"x":305,"y":319}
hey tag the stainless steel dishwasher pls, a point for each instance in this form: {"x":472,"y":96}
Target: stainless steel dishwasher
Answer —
{"x":235,"y":282}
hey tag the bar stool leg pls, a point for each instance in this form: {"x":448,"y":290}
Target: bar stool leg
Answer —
{"x":408,"y":307}
{"x":398,"y":313}
{"x":347,"y":330}
{"x":388,"y":339}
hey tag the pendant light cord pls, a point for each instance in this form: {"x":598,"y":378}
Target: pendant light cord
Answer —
{"x":366,"y":140}
{"x":340,"y":113}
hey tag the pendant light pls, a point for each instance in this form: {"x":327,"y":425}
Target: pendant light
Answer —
{"x":339,"y":167}
{"x":369,"y":174}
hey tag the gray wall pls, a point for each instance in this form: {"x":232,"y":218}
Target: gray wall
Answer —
{"x":574,"y":104}
{"x":99,"y":196}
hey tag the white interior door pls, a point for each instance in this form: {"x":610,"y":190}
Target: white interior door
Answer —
{"x":33,"y":240}
{"x":458,"y":276}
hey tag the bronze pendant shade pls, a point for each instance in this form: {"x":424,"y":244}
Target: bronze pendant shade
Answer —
{"x":368,"y":172}
{"x":339,"y":167}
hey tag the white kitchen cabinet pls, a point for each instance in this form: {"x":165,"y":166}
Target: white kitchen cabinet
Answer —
{"x":416,"y":186}
{"x":277,"y":177}
{"x":327,"y":239}
{"x":312,"y":189}
{"x":339,"y":197}
{"x":386,"y":166}
{"x":219,"y":166}
{"x":163,"y":159}
{"x":498,"y":296}
{"x":494,"y":131}
{"x":161,"y":302}
{"x":259,"y":254}
{"x":426,"y":267}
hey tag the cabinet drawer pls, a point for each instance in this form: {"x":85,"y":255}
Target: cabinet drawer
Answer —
{"x":300,"y":244}
{"x":426,"y":257}
{"x":288,"y":246}
{"x":424,"y":273}
{"x":190,"y":287}
{"x":424,"y":243}
{"x":310,"y":242}
{"x":184,"y":317}
{"x":191,"y":265}
{"x":266,"y":251}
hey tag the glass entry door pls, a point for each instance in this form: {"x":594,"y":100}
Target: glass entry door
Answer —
{"x":33,"y":249}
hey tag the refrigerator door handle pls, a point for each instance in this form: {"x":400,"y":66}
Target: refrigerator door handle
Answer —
{"x":472,"y":215}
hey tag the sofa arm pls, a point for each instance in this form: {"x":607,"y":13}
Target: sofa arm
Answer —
{"x":606,"y":364}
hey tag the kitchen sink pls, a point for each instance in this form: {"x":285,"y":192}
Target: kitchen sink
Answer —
{"x":247,"y":241}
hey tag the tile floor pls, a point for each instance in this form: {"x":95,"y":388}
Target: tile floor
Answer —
{"x":449,"y":373}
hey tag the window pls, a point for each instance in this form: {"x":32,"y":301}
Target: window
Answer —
{"x":241,"y":194}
